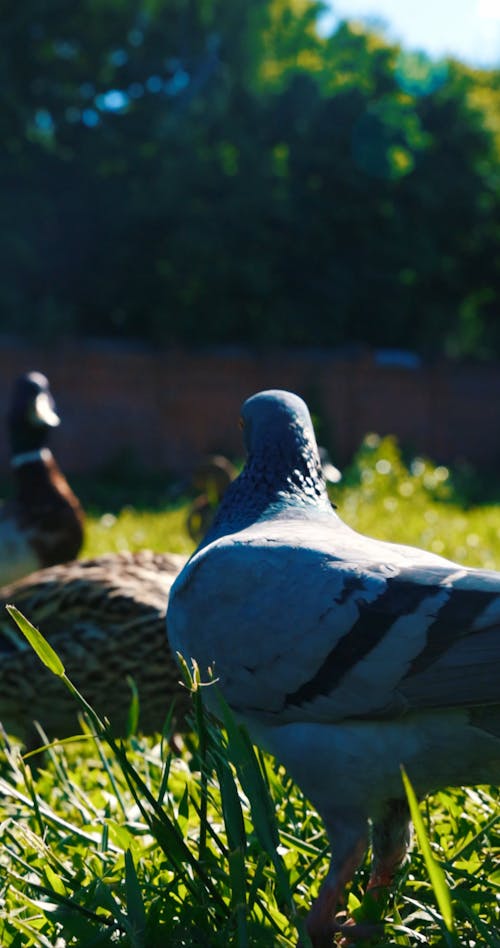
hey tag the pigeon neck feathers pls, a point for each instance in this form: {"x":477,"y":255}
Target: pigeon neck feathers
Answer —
{"x":283,"y":475}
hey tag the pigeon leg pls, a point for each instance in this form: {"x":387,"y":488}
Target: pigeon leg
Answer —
{"x":349,"y":840}
{"x":391,"y":837}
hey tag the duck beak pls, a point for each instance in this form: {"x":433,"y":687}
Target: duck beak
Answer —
{"x":43,"y":411}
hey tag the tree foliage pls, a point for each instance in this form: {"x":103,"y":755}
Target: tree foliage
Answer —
{"x":195,"y":171}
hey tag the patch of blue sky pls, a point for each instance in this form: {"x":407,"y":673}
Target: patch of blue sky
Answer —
{"x":468,"y":30}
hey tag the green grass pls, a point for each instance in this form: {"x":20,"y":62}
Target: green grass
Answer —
{"x":135,"y":529}
{"x":211,"y":844}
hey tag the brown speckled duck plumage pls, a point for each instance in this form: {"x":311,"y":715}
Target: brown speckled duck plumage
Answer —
{"x":105,"y":618}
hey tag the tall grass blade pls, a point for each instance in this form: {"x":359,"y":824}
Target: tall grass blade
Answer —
{"x":436,"y":874}
{"x":231,"y":806}
{"x":134,"y":709}
{"x":37,"y":641}
{"x":135,"y":902}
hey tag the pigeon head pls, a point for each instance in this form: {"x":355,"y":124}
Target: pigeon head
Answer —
{"x":31,"y":412}
{"x":277,"y":427}
{"x":283,"y":470}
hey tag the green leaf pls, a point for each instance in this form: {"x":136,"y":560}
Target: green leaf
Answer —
{"x":436,"y":874}
{"x":38,"y":643}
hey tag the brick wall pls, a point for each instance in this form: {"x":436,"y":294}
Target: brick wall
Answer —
{"x":167,"y":408}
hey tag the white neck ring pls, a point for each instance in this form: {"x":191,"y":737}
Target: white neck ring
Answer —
{"x":28,"y":457}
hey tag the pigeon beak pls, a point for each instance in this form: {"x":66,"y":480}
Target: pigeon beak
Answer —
{"x":43,"y":411}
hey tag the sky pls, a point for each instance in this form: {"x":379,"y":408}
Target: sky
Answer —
{"x":466,"y":29}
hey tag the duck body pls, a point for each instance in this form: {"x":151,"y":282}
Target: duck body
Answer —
{"x":43,"y":523}
{"x":105,"y":617}
{"x":345,"y":656}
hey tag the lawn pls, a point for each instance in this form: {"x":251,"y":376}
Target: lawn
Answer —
{"x":204,"y":841}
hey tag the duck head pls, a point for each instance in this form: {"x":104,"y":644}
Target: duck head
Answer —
{"x":31,"y":413}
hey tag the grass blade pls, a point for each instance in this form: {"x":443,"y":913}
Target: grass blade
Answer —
{"x":134,"y":708}
{"x":37,"y":641}
{"x":135,"y":902}
{"x":436,"y":874}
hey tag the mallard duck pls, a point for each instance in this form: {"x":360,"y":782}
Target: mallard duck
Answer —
{"x":345,"y":656}
{"x":43,"y":523}
{"x":105,"y":618}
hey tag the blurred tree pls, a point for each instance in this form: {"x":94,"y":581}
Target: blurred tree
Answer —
{"x":193,"y":171}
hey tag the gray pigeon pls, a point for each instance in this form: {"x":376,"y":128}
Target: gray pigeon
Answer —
{"x":344,"y":656}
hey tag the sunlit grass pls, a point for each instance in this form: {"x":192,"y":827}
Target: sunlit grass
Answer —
{"x":212,"y":844}
{"x":416,"y":504}
{"x":131,"y":529}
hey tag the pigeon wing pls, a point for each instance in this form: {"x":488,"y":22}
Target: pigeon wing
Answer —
{"x":296,"y":633}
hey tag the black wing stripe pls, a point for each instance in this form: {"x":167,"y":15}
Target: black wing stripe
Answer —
{"x":375,"y":620}
{"x":454,"y":620}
